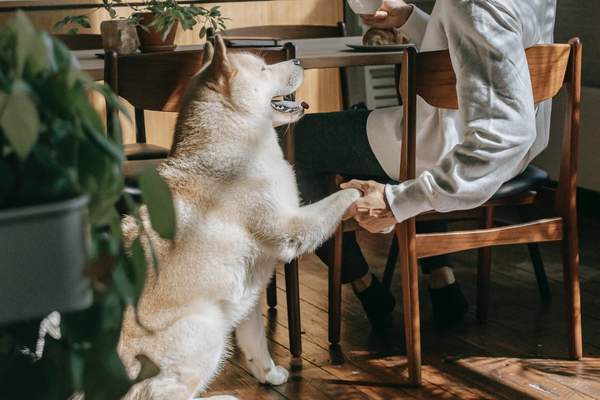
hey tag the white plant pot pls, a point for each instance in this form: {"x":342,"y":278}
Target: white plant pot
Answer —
{"x":42,"y":260}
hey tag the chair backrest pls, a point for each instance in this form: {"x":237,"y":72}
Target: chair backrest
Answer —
{"x":552,"y":67}
{"x":436,"y":82}
{"x":288,"y":32}
{"x":157,"y":81}
{"x":81,"y":41}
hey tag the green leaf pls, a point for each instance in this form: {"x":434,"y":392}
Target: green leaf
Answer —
{"x":104,"y":376}
{"x":138,"y":259}
{"x":157,"y":197}
{"x":122,"y":284}
{"x":20,"y":121}
{"x":25,"y":36}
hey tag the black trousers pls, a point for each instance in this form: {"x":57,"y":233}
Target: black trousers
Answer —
{"x":337,"y":143}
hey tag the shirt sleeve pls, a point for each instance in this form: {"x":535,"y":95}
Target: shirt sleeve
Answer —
{"x":415,"y":26}
{"x":496,"y":103}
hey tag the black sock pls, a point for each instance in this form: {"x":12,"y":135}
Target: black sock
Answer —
{"x":378,"y":304}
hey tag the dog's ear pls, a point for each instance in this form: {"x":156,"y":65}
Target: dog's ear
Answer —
{"x":220,"y":69}
{"x":220,"y":59}
{"x":209,"y":52}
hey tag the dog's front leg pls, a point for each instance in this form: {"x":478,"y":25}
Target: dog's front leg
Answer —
{"x":315,"y":223}
{"x":251,"y":338}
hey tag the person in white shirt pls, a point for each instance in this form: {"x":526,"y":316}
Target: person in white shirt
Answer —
{"x":463,"y":156}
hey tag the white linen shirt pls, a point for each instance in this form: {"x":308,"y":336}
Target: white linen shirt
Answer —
{"x":465,"y":155}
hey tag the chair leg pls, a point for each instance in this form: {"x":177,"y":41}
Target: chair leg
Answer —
{"x":571,"y":282}
{"x":335,"y":286}
{"x":272,"y":292}
{"x":540,"y":272}
{"x":484,"y":269}
{"x":292,"y":291}
{"x":390,"y":264}
{"x":538,"y":266}
{"x":410,"y":299}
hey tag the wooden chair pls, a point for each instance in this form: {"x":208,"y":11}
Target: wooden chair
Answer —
{"x":430,"y":75}
{"x":81,"y":41}
{"x":156,"y":82}
{"x":295,"y":32}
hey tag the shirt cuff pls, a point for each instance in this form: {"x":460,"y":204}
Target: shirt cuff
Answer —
{"x":406,"y":200}
{"x":416,"y":25}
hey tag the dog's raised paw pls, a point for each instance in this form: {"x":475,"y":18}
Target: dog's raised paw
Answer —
{"x":277,"y":375}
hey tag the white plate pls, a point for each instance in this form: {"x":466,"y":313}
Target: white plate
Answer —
{"x":378,"y":48}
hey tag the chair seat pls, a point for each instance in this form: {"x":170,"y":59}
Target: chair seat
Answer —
{"x":144,"y":151}
{"x":531,"y":178}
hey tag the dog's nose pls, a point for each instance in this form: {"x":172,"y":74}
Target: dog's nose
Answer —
{"x":296,"y":61}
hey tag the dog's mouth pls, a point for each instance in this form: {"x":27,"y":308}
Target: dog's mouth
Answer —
{"x":288,"y":106}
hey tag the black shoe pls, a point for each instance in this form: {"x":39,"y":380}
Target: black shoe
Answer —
{"x":378,"y":304}
{"x":449,"y":305}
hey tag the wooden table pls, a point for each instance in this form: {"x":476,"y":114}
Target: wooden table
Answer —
{"x":312,"y":53}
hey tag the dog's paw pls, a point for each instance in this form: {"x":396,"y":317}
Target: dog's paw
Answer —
{"x":353,"y":194}
{"x":277,"y":375}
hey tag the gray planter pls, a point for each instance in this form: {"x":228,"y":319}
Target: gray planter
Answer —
{"x":42,"y":260}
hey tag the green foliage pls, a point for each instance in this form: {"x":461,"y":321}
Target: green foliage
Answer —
{"x":53,"y":146}
{"x":156,"y":194}
{"x":166,"y":13}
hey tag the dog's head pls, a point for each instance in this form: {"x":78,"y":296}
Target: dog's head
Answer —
{"x":250,"y":85}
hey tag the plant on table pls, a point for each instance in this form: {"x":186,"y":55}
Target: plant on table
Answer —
{"x":156,"y":19}
{"x":53,"y":146}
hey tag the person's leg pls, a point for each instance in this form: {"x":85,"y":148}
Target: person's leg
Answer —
{"x":337,"y":143}
{"x":448,"y":303}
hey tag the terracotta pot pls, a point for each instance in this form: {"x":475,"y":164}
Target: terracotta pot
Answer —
{"x":120,"y":36}
{"x":151,"y":40}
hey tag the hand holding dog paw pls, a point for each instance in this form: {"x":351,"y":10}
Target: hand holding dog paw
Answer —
{"x":371,"y":211}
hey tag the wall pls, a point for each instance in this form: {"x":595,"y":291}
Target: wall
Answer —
{"x":321,"y":89}
{"x":579,"y":18}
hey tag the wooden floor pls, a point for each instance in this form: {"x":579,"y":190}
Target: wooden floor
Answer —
{"x":519,"y":354}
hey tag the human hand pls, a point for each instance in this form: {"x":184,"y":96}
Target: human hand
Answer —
{"x":391,"y":14}
{"x":371,"y":211}
{"x":373,"y":200}
{"x":381,"y":223}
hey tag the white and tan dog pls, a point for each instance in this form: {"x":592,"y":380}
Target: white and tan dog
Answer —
{"x":238,"y":215}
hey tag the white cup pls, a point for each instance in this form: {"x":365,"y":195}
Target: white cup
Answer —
{"x":367,"y":7}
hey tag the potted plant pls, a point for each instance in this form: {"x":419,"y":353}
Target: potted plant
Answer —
{"x":60,"y":237}
{"x":156,"y":21}
{"x":119,"y":34}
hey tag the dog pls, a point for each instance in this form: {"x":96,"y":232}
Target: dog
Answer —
{"x":238,"y":214}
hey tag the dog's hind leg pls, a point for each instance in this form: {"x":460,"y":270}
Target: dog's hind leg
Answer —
{"x":189,"y":354}
{"x":313,"y":224}
{"x":251,"y":339}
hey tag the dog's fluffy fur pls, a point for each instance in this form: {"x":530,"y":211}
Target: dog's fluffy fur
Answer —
{"x":238,"y":214}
